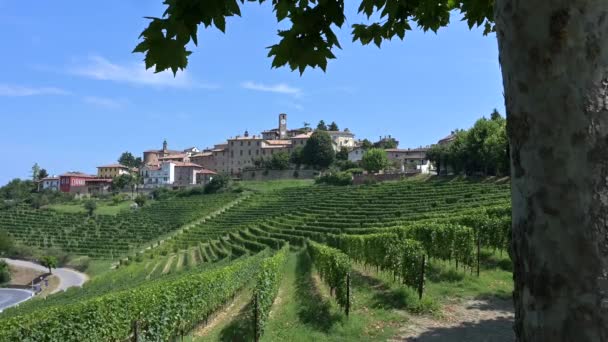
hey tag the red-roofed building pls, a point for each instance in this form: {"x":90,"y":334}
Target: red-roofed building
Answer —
{"x":74,"y":182}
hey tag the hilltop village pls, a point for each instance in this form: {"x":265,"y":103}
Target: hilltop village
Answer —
{"x":236,"y":156}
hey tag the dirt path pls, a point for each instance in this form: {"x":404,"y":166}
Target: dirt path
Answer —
{"x":168,"y":264}
{"x":469,"y":320}
{"x":226,"y":315}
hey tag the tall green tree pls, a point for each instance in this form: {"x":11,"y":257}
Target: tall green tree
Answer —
{"x":318,"y":150}
{"x":437,"y":155}
{"x":42,"y":174}
{"x":386,"y":143}
{"x":553,"y":65}
{"x":279,"y":161}
{"x":342,"y":154}
{"x":35,"y":172}
{"x":128,"y":159}
{"x":321,"y":126}
{"x":333,"y":126}
{"x":366,"y":144}
{"x":374,"y":160}
{"x":49,"y":262}
{"x":296,"y":156}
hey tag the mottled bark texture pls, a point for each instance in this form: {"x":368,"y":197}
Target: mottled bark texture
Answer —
{"x":554,"y":59}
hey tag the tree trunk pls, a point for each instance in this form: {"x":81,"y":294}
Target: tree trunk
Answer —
{"x":554,"y":59}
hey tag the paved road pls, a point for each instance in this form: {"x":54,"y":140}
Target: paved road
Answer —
{"x":67,"y":277}
{"x":10,"y":297}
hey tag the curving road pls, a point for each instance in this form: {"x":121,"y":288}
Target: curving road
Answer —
{"x":10,"y":297}
{"x":67,"y":278}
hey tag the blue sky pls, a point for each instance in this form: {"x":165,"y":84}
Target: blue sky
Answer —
{"x":73,"y":96}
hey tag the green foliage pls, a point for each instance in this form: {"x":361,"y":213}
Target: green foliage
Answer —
{"x":336,"y":178}
{"x":309,"y":39}
{"x":401,"y":256}
{"x":42,"y":174}
{"x":386,"y":143}
{"x":366,"y":144}
{"x":129,"y":160}
{"x":35,"y":172}
{"x":140,"y":200}
{"x":267,"y":286}
{"x":49,"y":262}
{"x":342,"y":154}
{"x":333,"y":266}
{"x":296,"y":156}
{"x":374,"y":160}
{"x":345,"y":165}
{"x":6,"y":243}
{"x":18,"y":190}
{"x":333,"y":127}
{"x":90,"y":206}
{"x":321,"y":126}
{"x":123,"y":181}
{"x":484,"y":148}
{"x":279,"y":161}
{"x":318,"y":151}
{"x":218,"y":183}
{"x":164,"y":308}
{"x":5,"y":274}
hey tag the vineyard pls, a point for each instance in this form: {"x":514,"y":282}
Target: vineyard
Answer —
{"x":408,"y":235}
{"x":105,"y":235}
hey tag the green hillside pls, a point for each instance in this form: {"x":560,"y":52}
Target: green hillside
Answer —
{"x":357,"y":250}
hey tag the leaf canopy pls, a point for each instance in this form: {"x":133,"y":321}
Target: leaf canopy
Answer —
{"x":310,"y":40}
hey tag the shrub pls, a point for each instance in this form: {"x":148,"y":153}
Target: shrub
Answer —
{"x":338,"y":178}
{"x":219,"y":183}
{"x":90,"y":205}
{"x":5,"y":275}
{"x":140,"y":200}
{"x":296,"y":174}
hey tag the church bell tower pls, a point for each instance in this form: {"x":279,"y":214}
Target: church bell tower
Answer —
{"x":282,"y":126}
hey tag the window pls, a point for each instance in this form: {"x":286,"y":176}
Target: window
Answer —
{"x":232,"y":154}
{"x":249,"y":143}
{"x":241,"y":143}
{"x":241,"y":152}
{"x":258,"y":143}
{"x":232,"y":143}
{"x":249,"y":152}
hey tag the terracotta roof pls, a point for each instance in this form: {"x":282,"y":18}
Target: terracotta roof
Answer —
{"x":77,"y":174}
{"x":278,"y":142}
{"x":302,"y":136}
{"x":420,"y":149}
{"x":174,"y":156}
{"x":48,"y":178}
{"x":98,"y":180}
{"x":253,"y":137}
{"x":202,"y":154}
{"x":205,"y":171}
{"x":186,"y":164}
{"x":448,"y":138}
{"x":113,"y":165}
{"x":218,"y":149}
{"x":273,"y":147}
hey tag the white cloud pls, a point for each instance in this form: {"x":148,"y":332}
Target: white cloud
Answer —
{"x":14,"y":90}
{"x":99,"y":68}
{"x":104,"y":102}
{"x":280,"y":88}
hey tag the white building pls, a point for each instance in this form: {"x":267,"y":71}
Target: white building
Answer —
{"x":356,"y":154}
{"x":156,"y":176}
{"x":410,"y":159}
{"x":342,"y":139}
{"x":48,"y":183}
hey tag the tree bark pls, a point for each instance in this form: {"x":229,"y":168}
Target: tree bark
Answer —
{"x":554,"y":60}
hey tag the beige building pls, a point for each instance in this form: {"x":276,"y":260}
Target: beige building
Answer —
{"x":410,"y":158}
{"x":112,"y":170}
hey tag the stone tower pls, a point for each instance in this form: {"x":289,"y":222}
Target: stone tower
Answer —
{"x":282,"y":126}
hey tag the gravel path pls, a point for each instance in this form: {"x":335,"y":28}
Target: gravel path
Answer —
{"x":67,"y":277}
{"x":470,"y":321}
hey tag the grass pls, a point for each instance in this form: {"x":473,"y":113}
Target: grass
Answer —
{"x":103,"y":207}
{"x":307,"y":313}
{"x":276,"y":184}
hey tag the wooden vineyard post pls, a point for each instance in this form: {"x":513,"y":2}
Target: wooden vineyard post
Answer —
{"x":256,"y":334}
{"x":135,"y":328}
{"x":421,"y":283}
{"x":347,"y":308}
{"x":478,"y":252}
